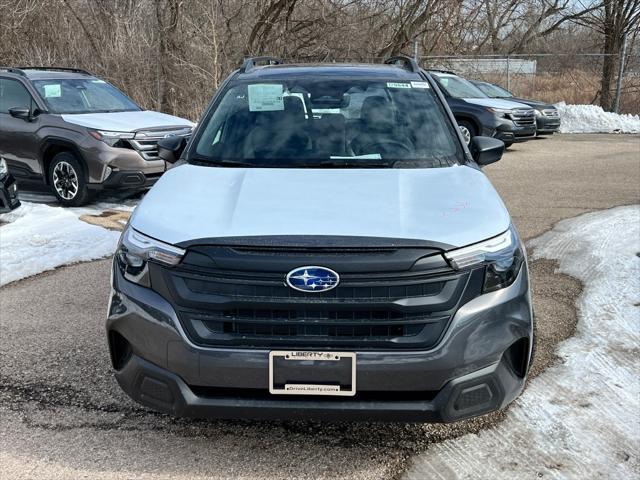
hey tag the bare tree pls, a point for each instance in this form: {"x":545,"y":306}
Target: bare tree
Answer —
{"x":167,"y":16}
{"x":171,"y":55}
{"x":613,"y":19}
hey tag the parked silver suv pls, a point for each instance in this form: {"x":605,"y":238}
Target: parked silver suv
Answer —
{"x":74,"y":133}
{"x":334,"y":252}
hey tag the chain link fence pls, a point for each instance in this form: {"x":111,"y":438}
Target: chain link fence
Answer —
{"x":570,"y":78}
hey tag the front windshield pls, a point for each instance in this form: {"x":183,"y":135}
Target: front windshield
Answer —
{"x":458,"y":87}
{"x":494,"y":91}
{"x":326,"y":122}
{"x":83,"y":95}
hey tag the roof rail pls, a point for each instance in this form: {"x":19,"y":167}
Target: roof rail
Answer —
{"x":450,"y":72}
{"x":251,"y":62}
{"x":55,"y":69}
{"x":17,"y":71}
{"x":406,"y":62}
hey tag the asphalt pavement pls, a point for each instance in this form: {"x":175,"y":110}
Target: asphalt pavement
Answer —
{"x":62,"y":414}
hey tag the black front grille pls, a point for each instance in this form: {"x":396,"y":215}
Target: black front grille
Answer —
{"x":385,"y":300}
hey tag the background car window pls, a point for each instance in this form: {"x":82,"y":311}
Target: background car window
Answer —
{"x":13,"y":94}
{"x":493,"y":91}
{"x":80,"y":95}
{"x":459,"y":87}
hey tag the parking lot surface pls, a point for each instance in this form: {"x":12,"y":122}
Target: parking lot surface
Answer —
{"x":62,"y":414}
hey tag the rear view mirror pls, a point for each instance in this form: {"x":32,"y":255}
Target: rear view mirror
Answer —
{"x":170,"y":148}
{"x":23,"y":113}
{"x":486,"y":150}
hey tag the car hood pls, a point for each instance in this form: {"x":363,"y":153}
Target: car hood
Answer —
{"x":126,"y":121}
{"x":532,"y":103}
{"x":496,"y":103}
{"x":454,"y":206}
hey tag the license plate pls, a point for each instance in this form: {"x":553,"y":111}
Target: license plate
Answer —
{"x":312,"y":373}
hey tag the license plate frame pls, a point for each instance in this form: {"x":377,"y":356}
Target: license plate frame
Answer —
{"x":296,"y":388}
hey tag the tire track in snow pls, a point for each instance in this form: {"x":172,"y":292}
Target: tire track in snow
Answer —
{"x":579,"y":419}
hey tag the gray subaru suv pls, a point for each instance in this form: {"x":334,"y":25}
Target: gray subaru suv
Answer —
{"x":69,"y":132}
{"x":326,"y":247}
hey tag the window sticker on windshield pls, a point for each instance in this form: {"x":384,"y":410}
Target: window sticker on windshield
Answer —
{"x":52,"y":91}
{"x":398,"y":85}
{"x":265,"y":97}
{"x":420,"y":84}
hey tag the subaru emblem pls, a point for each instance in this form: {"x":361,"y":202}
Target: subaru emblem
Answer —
{"x":312,"y":279}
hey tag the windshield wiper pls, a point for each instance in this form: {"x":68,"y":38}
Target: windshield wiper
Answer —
{"x":219,"y":162}
{"x":347,"y":163}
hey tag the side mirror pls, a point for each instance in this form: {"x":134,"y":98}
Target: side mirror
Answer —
{"x":486,"y":150}
{"x":170,"y":148}
{"x":23,"y":113}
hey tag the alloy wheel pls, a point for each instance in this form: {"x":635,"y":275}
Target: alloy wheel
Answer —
{"x":65,"y":180}
{"x":466,"y":134}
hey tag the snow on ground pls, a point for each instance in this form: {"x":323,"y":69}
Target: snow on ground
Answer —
{"x":593,"y":119}
{"x":579,"y":419}
{"x":37,"y":237}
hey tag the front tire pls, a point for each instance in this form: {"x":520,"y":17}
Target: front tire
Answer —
{"x":67,"y":180}
{"x":468,"y":130}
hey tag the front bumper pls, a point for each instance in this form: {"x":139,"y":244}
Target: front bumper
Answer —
{"x":547,"y":125}
{"x":127,"y":179}
{"x":479,"y":366}
{"x":118,"y":168}
{"x":509,"y":132}
{"x":8,"y":194}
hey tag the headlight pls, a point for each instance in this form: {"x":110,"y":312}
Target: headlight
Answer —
{"x":500,"y":112}
{"x":538,"y":113}
{"x":4,"y":170}
{"x":503,"y":256}
{"x":113,"y":139}
{"x":136,"y":249}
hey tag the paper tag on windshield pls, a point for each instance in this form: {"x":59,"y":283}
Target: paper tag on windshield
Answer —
{"x":420,"y":84}
{"x":398,"y":85}
{"x":265,"y":97}
{"x":52,"y":91}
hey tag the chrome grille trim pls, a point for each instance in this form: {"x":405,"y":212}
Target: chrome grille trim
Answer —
{"x":523,"y":117}
{"x":146,"y":141}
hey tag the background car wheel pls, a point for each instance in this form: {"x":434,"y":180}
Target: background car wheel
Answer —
{"x":67,"y":180}
{"x":468,"y":130}
{"x":507,"y":144}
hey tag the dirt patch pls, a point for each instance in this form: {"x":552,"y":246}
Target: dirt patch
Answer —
{"x":109,"y":219}
{"x":554,"y":303}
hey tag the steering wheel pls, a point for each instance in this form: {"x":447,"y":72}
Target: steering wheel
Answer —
{"x":386,"y":146}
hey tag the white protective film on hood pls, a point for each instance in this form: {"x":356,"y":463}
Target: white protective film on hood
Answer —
{"x":455,"y":205}
{"x":126,"y":121}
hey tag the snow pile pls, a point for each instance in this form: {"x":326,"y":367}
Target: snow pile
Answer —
{"x":593,"y":119}
{"x":40,"y":237}
{"x":578,"y":419}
